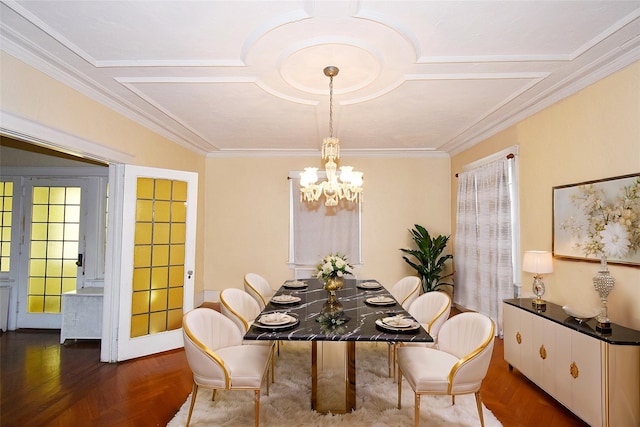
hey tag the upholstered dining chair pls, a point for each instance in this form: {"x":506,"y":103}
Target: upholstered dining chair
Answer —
{"x":259,"y":288}
{"x":219,"y":360}
{"x":242,"y":310}
{"x":458,"y":364}
{"x":431,"y":309}
{"x":405,"y":291}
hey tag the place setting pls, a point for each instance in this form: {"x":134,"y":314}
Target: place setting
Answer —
{"x":295,"y":284}
{"x":369,"y":285}
{"x":274,"y":320}
{"x":398,"y":323}
{"x":285,"y":299}
{"x":381,"y":300}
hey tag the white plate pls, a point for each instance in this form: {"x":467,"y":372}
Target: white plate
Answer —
{"x":275,"y":319}
{"x":381,"y":300}
{"x":285,"y":299}
{"x":414,"y":326}
{"x":295,"y":284}
{"x":369,"y":285}
{"x":398,"y":322}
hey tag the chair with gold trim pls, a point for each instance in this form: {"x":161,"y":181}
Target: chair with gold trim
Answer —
{"x":219,"y":360}
{"x":259,"y":288}
{"x":458,"y":364}
{"x":431,"y":309}
{"x":405,"y":291}
{"x":242,"y":309}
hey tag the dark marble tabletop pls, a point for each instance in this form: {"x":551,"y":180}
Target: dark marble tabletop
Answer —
{"x":619,"y":335}
{"x":360,"y":316}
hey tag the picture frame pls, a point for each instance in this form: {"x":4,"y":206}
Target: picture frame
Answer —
{"x":583,"y":211}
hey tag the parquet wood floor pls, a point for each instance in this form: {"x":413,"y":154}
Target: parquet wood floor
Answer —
{"x":43,"y":383}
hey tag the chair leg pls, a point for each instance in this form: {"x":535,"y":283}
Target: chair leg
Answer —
{"x":389,"y":357}
{"x":257,"y":397}
{"x":399,"y":389}
{"x":194,"y":394}
{"x":479,"y":405}
{"x":214,"y":394}
{"x":417,"y":405}
{"x":273,"y":362}
{"x":453,"y":399}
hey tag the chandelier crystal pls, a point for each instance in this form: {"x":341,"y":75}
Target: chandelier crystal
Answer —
{"x":344,"y":185}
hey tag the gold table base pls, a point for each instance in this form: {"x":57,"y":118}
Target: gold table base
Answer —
{"x":333,"y":376}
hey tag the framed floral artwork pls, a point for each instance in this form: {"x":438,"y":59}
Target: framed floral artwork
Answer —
{"x":598,"y":218}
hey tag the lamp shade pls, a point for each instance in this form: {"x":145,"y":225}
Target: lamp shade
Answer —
{"x":538,"y":262}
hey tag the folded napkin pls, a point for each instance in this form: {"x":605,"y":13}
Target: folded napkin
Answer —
{"x":398,"y":321}
{"x":275,"y":318}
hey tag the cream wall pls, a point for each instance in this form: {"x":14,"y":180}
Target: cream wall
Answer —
{"x":247,"y":214}
{"x":30,"y":94}
{"x":591,"y":135}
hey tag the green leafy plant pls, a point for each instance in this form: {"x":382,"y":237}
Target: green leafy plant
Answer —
{"x":428,"y":259}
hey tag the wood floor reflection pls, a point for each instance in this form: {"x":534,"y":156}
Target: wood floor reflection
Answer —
{"x":44,"y":383}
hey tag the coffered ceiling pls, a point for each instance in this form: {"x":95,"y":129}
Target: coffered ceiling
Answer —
{"x":245,"y":77}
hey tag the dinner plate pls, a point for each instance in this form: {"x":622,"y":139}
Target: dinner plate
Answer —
{"x":398,"y":322}
{"x":294,"y":284}
{"x":369,"y":285}
{"x":293,"y":322}
{"x":275,"y":319}
{"x":380,"y":300}
{"x":414,"y":327}
{"x":285,"y":299}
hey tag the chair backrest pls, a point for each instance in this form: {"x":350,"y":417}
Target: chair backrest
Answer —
{"x":406,"y":290}
{"x":469,"y":336}
{"x":431,"y":309}
{"x":240,"y":307}
{"x":204,"y":331}
{"x":259,"y":288}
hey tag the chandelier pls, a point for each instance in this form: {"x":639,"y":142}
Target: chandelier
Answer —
{"x":346,"y":185}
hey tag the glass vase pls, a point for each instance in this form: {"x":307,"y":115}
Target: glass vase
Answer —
{"x":603,"y":283}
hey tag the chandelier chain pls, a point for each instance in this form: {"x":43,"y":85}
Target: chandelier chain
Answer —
{"x":331,"y":106}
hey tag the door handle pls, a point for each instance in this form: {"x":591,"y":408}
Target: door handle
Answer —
{"x":79,"y":261}
{"x":189,"y":274}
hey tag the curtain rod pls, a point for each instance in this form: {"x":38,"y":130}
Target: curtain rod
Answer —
{"x":508,"y":156}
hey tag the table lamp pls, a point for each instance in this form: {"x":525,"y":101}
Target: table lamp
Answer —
{"x":538,"y":262}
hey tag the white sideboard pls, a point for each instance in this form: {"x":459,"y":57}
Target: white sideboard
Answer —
{"x":82,"y":314}
{"x":594,"y":375}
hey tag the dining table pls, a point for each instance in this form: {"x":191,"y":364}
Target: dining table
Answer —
{"x":362,"y":311}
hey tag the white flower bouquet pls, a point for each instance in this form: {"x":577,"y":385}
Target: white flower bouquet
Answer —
{"x":332,"y":266}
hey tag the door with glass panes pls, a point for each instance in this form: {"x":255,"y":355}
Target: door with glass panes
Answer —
{"x":53,"y":248}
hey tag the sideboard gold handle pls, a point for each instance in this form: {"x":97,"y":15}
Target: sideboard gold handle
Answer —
{"x":573,"y":369}
{"x":518,"y":337}
{"x":543,"y":352}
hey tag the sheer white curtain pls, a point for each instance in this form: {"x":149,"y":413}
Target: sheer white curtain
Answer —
{"x":317,"y":230}
{"x":483,"y":240}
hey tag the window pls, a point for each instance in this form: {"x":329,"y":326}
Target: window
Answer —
{"x":317,"y":230}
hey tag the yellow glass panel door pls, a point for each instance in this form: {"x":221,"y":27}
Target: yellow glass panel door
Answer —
{"x":6,"y":216}
{"x":55,"y":235}
{"x":158,"y":258}
{"x":55,"y":214}
{"x":155,"y":281}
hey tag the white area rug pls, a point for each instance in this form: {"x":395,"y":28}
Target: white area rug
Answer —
{"x":289,"y":401}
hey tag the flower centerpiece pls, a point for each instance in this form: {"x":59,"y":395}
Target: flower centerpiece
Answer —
{"x":332,"y":269}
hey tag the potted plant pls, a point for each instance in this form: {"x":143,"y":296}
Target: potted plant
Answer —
{"x":428,"y":260}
